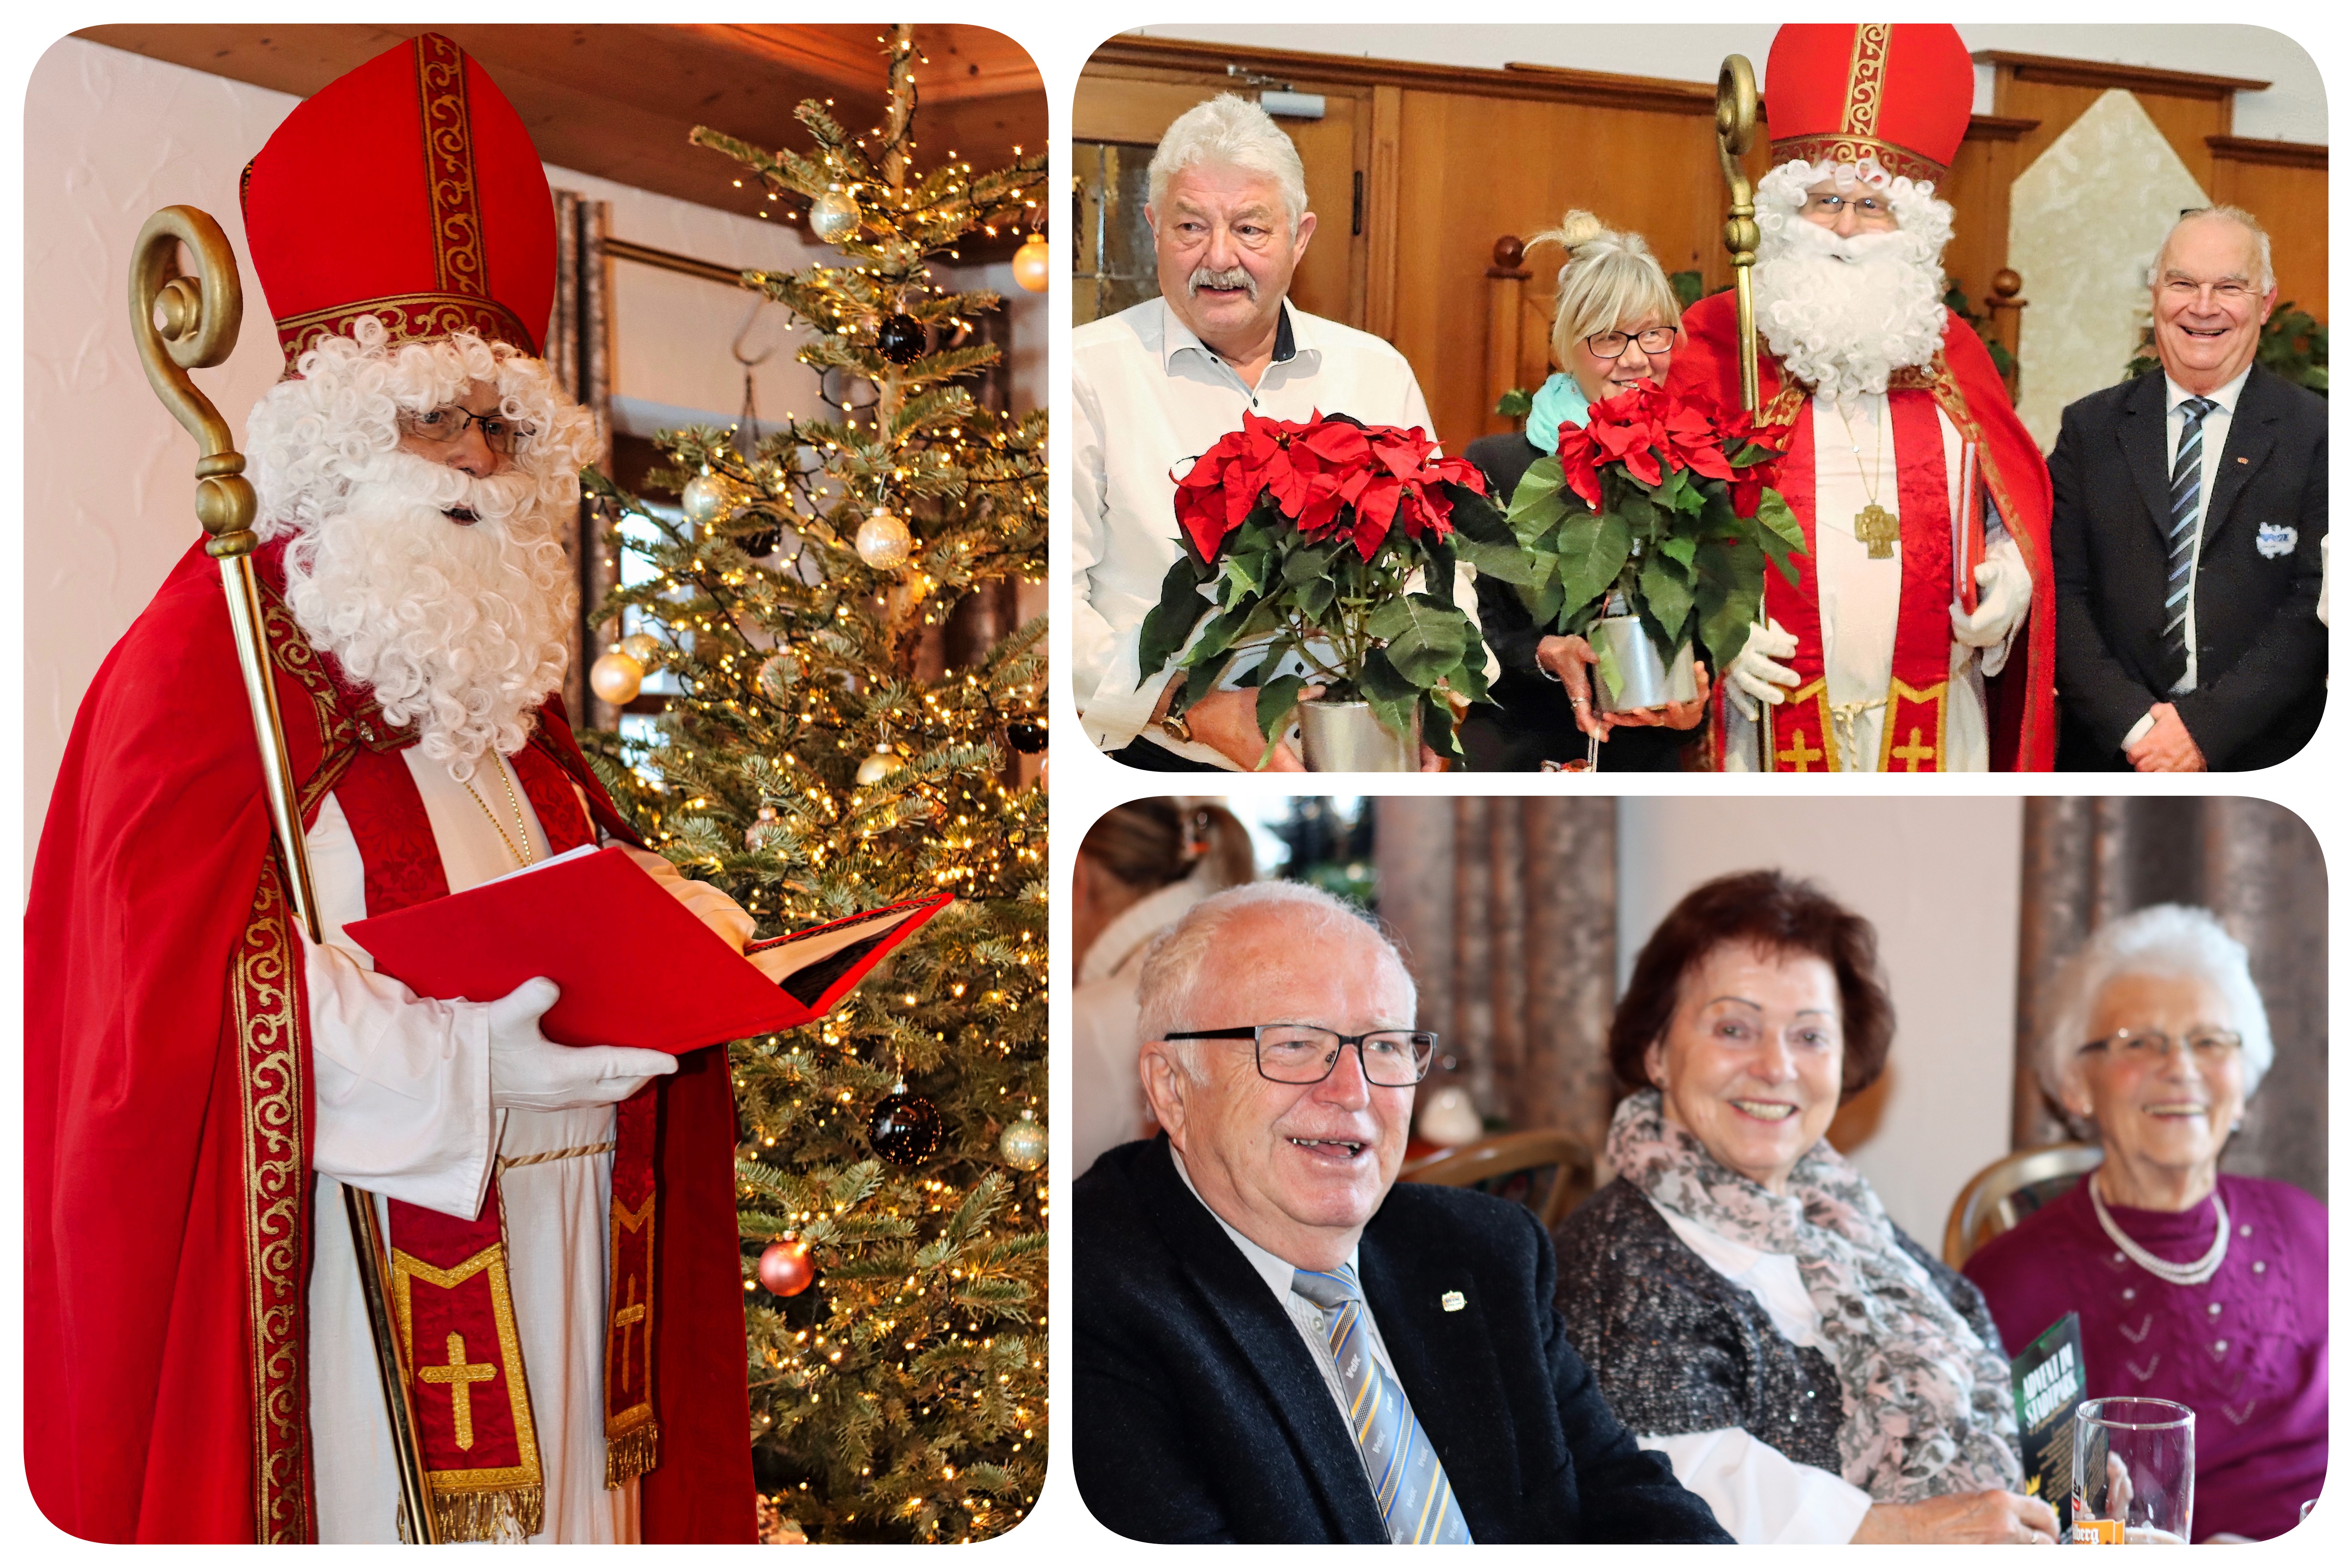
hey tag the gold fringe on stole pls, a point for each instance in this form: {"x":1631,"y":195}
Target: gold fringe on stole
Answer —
{"x":632,"y":1453}
{"x":510,"y":1514}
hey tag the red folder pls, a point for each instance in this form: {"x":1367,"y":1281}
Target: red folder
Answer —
{"x":1967,"y":528}
{"x":635,"y":966}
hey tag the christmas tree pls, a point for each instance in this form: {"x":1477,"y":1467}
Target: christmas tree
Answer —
{"x":816,"y":759}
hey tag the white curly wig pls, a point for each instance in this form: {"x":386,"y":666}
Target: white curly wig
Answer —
{"x":2163,"y":939}
{"x":462,"y":630}
{"x":1848,"y":329}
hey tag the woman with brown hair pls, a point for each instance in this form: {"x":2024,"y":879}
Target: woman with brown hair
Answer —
{"x":1738,"y":1289}
{"x":1141,"y":866}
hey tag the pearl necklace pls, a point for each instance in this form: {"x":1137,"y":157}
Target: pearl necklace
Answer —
{"x":2195,"y":1273}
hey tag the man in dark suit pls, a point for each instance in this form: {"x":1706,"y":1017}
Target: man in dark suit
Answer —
{"x":1276,"y":1343}
{"x":2190,"y":505}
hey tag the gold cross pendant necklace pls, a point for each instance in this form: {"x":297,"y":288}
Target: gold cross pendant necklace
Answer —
{"x":525,"y":855}
{"x":1874,"y":525}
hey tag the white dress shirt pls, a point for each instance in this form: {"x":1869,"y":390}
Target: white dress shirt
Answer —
{"x":1760,"y":1494}
{"x":1861,"y":595}
{"x":2216,"y":435}
{"x":1150,"y":396}
{"x":1305,"y":1316}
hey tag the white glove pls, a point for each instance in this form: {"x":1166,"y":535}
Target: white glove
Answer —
{"x":1753,"y":675}
{"x":2004,"y":592}
{"x":530,"y":1072}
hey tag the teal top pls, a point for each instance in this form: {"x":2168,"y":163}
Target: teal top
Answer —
{"x":1560,"y":401}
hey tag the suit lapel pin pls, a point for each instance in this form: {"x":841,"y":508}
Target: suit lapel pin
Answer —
{"x":1452,"y":1301}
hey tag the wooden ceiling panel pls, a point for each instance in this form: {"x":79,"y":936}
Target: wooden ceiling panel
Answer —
{"x":618,"y":100}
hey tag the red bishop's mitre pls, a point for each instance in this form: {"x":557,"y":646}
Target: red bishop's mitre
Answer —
{"x":409,"y":191}
{"x":1839,"y":92}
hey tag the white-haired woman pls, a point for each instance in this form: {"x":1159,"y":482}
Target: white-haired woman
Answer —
{"x":1614,"y":325}
{"x":2193,"y":1286}
{"x":1141,"y":869}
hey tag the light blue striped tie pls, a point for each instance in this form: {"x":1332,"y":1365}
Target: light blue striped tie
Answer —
{"x":2188,"y":487}
{"x":1416,"y":1500}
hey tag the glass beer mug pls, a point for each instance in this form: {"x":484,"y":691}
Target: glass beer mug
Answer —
{"x":2135,"y":1472}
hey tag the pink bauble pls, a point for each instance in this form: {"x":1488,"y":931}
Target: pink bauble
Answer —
{"x":785,"y":1268}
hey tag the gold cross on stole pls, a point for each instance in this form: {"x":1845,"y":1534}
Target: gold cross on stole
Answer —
{"x":1875,"y":526}
{"x":460,"y":1378}
{"x":1912,"y":755}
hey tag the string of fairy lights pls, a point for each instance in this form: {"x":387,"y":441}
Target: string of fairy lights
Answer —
{"x":806,"y":761}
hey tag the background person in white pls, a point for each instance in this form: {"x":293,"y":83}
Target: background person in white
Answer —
{"x":1161,"y":382}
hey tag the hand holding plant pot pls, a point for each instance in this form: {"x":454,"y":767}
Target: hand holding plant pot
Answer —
{"x":1303,"y":539}
{"x":1648,"y":532}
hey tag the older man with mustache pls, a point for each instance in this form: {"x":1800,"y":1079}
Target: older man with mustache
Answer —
{"x":1161,"y":382}
{"x":1869,"y":661}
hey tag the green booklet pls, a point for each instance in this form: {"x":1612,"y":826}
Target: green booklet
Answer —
{"x":2047,"y":1378}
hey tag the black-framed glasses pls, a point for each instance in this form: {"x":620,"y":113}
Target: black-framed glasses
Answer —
{"x":2207,"y":1046}
{"x":1610,"y":345}
{"x":440,"y":425}
{"x":1302,"y":1053}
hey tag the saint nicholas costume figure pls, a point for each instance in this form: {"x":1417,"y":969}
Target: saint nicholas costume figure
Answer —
{"x":201,"y":1081}
{"x":1868,"y":661}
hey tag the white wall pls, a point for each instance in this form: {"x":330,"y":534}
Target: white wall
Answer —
{"x":2293,"y":109}
{"x":1938,"y":876}
{"x":109,"y":476}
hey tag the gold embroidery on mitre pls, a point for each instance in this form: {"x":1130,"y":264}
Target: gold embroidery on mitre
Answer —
{"x":1865,"y":79}
{"x":449,"y":166}
{"x":407,"y":317}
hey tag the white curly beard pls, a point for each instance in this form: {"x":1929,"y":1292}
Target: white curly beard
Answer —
{"x":1845,"y":314}
{"x":461,"y":629}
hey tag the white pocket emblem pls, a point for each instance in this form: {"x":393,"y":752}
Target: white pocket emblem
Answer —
{"x":2274,"y":540}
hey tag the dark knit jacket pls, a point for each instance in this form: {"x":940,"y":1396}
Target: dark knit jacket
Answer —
{"x":1200,"y":1416}
{"x":1679,"y":1348}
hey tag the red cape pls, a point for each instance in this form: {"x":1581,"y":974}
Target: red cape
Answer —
{"x":2023,"y":700}
{"x":168,"y":1198}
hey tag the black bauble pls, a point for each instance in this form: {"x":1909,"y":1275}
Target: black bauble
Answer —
{"x":905,"y":1129}
{"x":1027,"y":739}
{"x":900,"y":339}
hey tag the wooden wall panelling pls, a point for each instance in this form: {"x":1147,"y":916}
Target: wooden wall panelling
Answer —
{"x":2285,"y":183}
{"x":2187,"y":107}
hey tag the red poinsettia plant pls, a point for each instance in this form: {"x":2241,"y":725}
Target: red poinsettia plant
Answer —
{"x":1302,"y":538}
{"x":1661,"y":507}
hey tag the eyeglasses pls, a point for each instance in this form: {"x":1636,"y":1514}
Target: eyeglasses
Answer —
{"x":1867,"y":206}
{"x":1610,"y":345}
{"x":1301,"y":1053}
{"x":441,"y":426}
{"x":2208,"y":1046}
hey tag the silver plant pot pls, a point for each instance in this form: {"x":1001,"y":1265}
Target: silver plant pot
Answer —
{"x":1647,"y":680}
{"x":1348,"y":738}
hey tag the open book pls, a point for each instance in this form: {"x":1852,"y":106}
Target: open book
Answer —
{"x":635,"y":966}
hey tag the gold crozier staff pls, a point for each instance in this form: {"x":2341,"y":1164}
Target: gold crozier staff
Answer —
{"x":1734,"y":133}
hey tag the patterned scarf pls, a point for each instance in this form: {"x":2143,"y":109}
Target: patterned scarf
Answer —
{"x":1928,"y":1407}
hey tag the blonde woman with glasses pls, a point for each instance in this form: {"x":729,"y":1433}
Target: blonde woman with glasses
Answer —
{"x":1615,"y":324}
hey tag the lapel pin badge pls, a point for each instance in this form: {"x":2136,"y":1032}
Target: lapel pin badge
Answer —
{"x":1452,"y":1301}
{"x":2273,"y":540}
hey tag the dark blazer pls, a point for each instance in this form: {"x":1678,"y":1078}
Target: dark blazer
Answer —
{"x":1201,"y":1415}
{"x":1532,"y":721}
{"x":2261,"y":654}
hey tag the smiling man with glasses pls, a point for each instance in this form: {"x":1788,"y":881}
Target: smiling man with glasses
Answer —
{"x":1277,"y":1343}
{"x":2191,"y":504}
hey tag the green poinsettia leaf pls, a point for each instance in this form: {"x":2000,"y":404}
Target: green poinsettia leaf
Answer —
{"x":1171,"y":621}
{"x":1665,"y":598}
{"x":1308,"y":563}
{"x":1681,"y":547}
{"x":1437,"y":727}
{"x":1592,"y":552}
{"x":1381,"y":682}
{"x":1424,"y":635}
{"x":1275,"y":698}
{"x":1773,"y":517}
{"x":1314,"y":596}
{"x":1728,"y":595}
{"x":1539,"y":501}
{"x":1483,"y":538}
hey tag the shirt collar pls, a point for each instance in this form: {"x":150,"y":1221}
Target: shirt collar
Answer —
{"x":2175,"y":395}
{"x":1176,"y":338}
{"x":1277,"y":1273}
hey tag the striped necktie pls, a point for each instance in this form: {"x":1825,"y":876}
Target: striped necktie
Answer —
{"x":2188,"y":490}
{"x":1415,"y":1499}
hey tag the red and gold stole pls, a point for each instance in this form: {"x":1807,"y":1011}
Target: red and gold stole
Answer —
{"x":452,"y":1303}
{"x":1804,"y":737}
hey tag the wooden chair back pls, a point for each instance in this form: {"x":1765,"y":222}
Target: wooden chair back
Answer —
{"x":1999,"y":1196}
{"x":1513,"y":1166}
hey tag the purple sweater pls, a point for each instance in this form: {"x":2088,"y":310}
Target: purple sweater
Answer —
{"x":2247,"y":1350}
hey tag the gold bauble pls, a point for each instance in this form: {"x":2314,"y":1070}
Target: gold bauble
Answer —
{"x":834,"y":216}
{"x":641,"y":646}
{"x":1023,"y":1145}
{"x":879,"y":766}
{"x":617,"y":678}
{"x":884,"y":541}
{"x":1032,"y":264}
